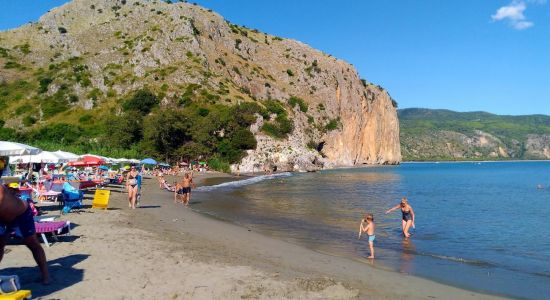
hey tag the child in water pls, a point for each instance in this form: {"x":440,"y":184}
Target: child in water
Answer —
{"x":367,"y":225}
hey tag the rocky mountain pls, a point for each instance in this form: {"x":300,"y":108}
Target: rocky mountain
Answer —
{"x":81,"y":62}
{"x":431,"y":134}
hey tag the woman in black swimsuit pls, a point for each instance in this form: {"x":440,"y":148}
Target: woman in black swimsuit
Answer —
{"x":408,"y":215}
{"x":131,"y":184}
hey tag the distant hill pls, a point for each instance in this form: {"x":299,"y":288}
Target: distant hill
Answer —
{"x":438,"y":134}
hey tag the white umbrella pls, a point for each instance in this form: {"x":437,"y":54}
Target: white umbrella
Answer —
{"x":67,"y":155}
{"x":42,"y":157}
{"x":14,"y":149}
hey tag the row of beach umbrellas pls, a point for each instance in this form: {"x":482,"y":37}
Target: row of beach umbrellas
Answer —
{"x":21,"y":153}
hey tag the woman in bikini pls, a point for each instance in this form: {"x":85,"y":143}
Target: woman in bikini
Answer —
{"x":408,"y":215}
{"x":132,"y":186}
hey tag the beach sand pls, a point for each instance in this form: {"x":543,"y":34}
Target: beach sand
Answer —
{"x":166,"y":251}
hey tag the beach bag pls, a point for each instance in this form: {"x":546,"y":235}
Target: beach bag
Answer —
{"x":9,"y":284}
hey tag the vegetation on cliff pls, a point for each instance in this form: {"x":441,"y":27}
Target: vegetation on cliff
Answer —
{"x":428,"y":134}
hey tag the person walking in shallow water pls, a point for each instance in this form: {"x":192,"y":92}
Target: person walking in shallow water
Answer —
{"x":367,"y":226}
{"x":408,"y":215}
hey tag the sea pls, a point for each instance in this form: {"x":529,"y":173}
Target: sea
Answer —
{"x":481,"y":226}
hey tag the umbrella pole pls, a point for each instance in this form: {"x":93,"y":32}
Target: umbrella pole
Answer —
{"x":29,"y":174}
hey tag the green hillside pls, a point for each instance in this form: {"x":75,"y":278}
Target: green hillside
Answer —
{"x":436,"y":134}
{"x":167,"y":80}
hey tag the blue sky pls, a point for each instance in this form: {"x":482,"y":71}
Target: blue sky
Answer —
{"x":462,"y":55}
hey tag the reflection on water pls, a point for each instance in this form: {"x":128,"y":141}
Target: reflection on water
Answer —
{"x":407,"y":256}
{"x":461,"y":211}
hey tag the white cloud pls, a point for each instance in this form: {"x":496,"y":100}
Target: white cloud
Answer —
{"x":513,"y":14}
{"x":522,"y":25}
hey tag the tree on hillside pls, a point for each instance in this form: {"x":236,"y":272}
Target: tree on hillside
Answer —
{"x":142,"y":101}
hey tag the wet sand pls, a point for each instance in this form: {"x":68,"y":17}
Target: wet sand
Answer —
{"x":167,"y":251}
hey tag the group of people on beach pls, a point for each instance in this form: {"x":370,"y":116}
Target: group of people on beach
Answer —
{"x":368,"y":226}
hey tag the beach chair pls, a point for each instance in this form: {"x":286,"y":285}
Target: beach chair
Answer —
{"x":72,"y":198}
{"x":54,"y":228}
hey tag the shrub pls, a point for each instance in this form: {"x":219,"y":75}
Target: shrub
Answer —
{"x":62,"y":30}
{"x":289,"y":72}
{"x":219,"y":165}
{"x":238,"y":44}
{"x":29,"y":121}
{"x":44,"y":83}
{"x":12,"y":65}
{"x":274,"y":107}
{"x":61,"y":132}
{"x":23,"y":109}
{"x":280,"y":128}
{"x":333,"y":124}
{"x":85,"y":118}
{"x":293,"y":101}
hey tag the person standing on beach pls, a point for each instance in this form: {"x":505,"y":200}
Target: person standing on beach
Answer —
{"x":16,"y":215}
{"x":407,"y":215}
{"x":185,"y":188}
{"x":132,"y":186}
{"x":367,"y":226}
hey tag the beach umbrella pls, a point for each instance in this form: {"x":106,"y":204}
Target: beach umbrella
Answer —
{"x":42,"y":157}
{"x":87,"y":161}
{"x":67,"y":155}
{"x":104,"y":168}
{"x":149,"y":161}
{"x":14,"y":149}
{"x":164,"y":164}
{"x":105,"y":160}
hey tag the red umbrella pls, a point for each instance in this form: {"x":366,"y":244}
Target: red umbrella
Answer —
{"x":87,"y":161}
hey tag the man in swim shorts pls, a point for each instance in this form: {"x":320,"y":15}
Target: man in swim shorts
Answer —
{"x":16,"y":216}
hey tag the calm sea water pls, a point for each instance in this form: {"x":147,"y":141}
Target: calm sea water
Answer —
{"x":481,"y":226}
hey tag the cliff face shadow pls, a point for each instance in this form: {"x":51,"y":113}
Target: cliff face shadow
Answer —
{"x":62,"y":271}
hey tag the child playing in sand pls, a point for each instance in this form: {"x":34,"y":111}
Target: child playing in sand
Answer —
{"x":367,"y":225}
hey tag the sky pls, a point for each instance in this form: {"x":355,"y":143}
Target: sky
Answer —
{"x":467,"y":55}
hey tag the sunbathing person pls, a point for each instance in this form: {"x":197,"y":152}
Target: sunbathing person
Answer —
{"x":167,"y":186}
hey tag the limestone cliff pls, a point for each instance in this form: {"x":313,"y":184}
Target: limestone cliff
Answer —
{"x":126,"y":45}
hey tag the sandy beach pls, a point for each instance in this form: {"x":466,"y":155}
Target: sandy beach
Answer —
{"x":166,"y":251}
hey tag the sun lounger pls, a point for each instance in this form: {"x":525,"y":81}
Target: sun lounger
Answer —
{"x":55,"y":228}
{"x":44,"y":194}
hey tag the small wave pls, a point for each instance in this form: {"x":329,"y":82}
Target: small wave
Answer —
{"x":238,"y":183}
{"x":460,"y":260}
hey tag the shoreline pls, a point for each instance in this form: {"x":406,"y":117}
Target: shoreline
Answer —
{"x":361,"y":262}
{"x":164,"y":250}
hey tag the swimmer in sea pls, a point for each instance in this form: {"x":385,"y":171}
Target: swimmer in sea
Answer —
{"x":408,"y":215}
